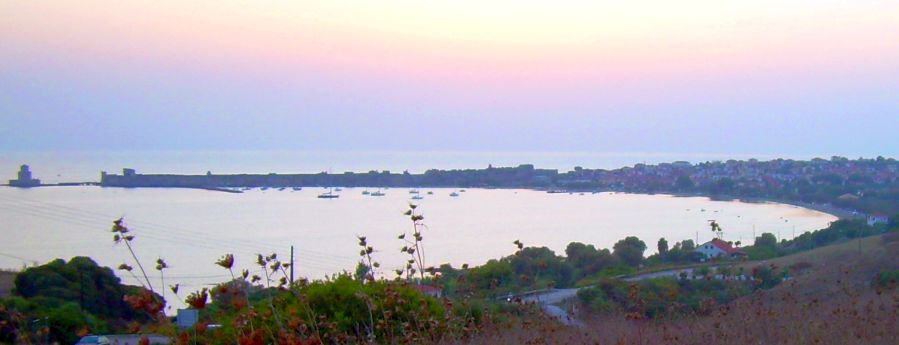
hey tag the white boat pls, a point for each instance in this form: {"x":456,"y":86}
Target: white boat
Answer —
{"x":297,"y":188}
{"x":454,"y":194}
{"x":328,"y":195}
{"x":413,"y":191}
{"x":377,"y":193}
{"x":417,"y":197}
{"x":366,"y":192}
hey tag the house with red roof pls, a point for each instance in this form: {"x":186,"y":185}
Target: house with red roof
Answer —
{"x":717,"y":248}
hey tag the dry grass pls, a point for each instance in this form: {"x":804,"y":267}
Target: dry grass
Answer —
{"x":832,"y":302}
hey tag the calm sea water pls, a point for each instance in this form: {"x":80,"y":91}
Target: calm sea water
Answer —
{"x":190,"y":229}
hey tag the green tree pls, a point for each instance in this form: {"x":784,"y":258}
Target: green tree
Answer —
{"x":688,"y":245}
{"x":586,"y":259}
{"x":663,"y":247}
{"x":767,"y":240}
{"x":79,"y":280}
{"x":630,"y":250}
{"x":684,"y":183}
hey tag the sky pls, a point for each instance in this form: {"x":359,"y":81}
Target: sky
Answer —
{"x":766,"y":77}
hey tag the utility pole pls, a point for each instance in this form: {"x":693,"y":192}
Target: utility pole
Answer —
{"x":291,"y":264}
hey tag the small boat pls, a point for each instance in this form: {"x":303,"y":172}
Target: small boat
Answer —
{"x":282,"y":188}
{"x":413,"y":191}
{"x":454,"y":194}
{"x":417,"y":197}
{"x":430,"y":193}
{"x":377,"y":193}
{"x":338,"y":189}
{"x":462,"y":190}
{"x":297,"y":188}
{"x":328,"y":195}
{"x":263,"y":188}
{"x":366,"y":192}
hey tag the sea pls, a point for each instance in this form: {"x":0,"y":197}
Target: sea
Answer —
{"x":190,"y":229}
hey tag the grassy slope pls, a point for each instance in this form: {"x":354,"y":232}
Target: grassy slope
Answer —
{"x":831,"y":302}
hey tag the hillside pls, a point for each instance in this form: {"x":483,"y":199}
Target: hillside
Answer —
{"x":830,"y":300}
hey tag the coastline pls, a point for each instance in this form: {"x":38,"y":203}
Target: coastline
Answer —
{"x":830,"y":209}
{"x":839,"y":213}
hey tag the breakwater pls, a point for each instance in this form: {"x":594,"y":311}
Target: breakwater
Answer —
{"x":524,"y":176}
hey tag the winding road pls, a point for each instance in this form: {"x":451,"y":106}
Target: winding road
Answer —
{"x":549,"y":300}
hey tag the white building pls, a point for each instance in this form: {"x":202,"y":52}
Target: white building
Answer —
{"x":877,"y":218}
{"x":718,"y":248}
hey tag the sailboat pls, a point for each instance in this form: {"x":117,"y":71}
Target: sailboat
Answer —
{"x":328,"y":195}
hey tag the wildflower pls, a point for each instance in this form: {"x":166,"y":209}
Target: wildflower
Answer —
{"x":197,"y":300}
{"x":160,"y":264}
{"x":125,"y":267}
{"x":174,"y":288}
{"x":226,"y":261}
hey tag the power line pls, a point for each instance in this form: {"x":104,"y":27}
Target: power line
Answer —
{"x":258,"y":245}
{"x":91,"y":219}
{"x":24,"y":260}
{"x":307,"y":262}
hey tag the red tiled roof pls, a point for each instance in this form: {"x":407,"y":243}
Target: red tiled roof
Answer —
{"x":724,"y":246}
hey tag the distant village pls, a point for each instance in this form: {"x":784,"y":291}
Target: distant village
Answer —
{"x":867,"y":185}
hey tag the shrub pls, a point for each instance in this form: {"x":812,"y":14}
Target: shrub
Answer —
{"x":886,"y":280}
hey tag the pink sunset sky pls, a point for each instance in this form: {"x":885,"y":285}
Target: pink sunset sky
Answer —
{"x":776,"y":77}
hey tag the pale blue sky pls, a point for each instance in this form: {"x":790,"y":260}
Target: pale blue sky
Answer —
{"x":813,"y":78}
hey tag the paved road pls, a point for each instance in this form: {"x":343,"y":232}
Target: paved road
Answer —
{"x":550,"y":299}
